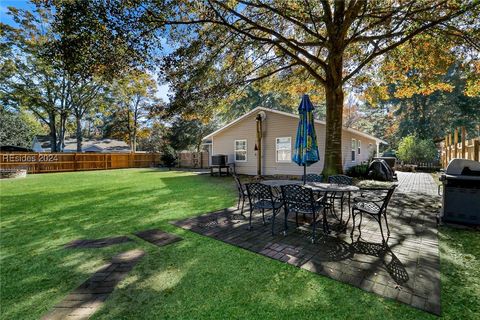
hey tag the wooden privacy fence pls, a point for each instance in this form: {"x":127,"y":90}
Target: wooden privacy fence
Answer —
{"x":465,"y":149}
{"x":188,"y":159}
{"x":62,"y":162}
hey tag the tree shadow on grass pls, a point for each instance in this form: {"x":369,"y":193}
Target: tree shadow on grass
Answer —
{"x":37,"y":271}
{"x":205,"y":279}
{"x":460,"y":253}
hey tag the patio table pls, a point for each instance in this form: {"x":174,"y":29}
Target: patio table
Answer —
{"x":335,"y":187}
{"x":319,"y":187}
{"x":279,"y":183}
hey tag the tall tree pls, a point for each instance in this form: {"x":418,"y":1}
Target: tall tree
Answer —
{"x":30,"y":79}
{"x":56,"y":62}
{"x":185,"y":134}
{"x":135,"y":97}
{"x":330,"y":41}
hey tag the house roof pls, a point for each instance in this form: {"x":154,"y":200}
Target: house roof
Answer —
{"x":360,"y":133}
{"x":88,"y":145}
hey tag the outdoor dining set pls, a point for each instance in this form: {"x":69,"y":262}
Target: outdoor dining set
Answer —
{"x":315,"y":199}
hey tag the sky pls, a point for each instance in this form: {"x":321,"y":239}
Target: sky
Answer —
{"x":163,"y":89}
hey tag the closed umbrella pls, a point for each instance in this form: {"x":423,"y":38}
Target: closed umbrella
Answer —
{"x":306,"y":147}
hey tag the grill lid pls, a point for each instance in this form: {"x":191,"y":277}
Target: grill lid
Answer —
{"x":459,"y":167}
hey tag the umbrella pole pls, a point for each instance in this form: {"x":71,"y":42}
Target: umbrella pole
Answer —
{"x":304,"y":174}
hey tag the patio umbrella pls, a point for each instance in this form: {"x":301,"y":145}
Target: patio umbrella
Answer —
{"x":306,"y":147}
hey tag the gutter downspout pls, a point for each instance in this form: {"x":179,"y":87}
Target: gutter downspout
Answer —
{"x":258,"y":119}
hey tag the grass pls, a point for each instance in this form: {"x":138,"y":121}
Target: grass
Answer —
{"x":197,"y":278}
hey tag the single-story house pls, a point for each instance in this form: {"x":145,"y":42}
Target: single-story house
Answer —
{"x":42,"y":144}
{"x":237,"y":139}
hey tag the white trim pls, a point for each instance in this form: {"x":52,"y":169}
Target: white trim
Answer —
{"x":276,"y":150}
{"x":365,"y":135}
{"x":359,"y":146}
{"x":235,"y":150}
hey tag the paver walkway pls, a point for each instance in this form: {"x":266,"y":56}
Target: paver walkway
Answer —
{"x":416,"y":182}
{"x":84,"y":301}
{"x":158,"y":237}
{"x":96,"y":243}
{"x":406,"y":270}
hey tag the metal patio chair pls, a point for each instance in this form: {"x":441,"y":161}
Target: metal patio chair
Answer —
{"x":313,"y":177}
{"x":339,"y":179}
{"x":300,"y":199}
{"x":242,"y":193}
{"x":376,"y":208}
{"x":261,"y":198}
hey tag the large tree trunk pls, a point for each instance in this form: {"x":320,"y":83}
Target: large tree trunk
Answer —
{"x":62,"y":130}
{"x":334,"y":101}
{"x":134,"y":139}
{"x":53,"y":131}
{"x":78,"y":134}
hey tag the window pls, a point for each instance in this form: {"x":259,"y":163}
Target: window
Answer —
{"x":240,"y":150}
{"x":284,"y":149}
{"x":354,"y":146}
{"x":359,"y":145}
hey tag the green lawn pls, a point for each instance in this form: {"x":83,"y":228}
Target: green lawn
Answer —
{"x":197,"y":278}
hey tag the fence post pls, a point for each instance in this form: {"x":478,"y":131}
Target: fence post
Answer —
{"x":444,"y":152}
{"x":75,"y":162}
{"x":476,"y":149}
{"x":455,"y":141}
{"x":463,"y":142}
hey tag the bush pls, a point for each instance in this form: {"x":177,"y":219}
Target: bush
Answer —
{"x":358,"y":171}
{"x":413,"y":150}
{"x":168,"y":157}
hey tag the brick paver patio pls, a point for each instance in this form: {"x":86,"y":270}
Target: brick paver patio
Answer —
{"x":407,"y":270}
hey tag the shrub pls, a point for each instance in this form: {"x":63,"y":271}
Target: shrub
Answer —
{"x":413,"y":150}
{"x":168,"y":157}
{"x":358,"y":171}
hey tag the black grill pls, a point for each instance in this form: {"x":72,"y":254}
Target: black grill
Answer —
{"x":461,"y":192}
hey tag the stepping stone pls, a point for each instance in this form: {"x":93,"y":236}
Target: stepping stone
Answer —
{"x":157,"y":237}
{"x":96,"y":243}
{"x":85,"y":300}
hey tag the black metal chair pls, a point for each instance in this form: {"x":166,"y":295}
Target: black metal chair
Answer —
{"x":260,"y":197}
{"x":313,"y":177}
{"x":242,"y":193}
{"x":375,"y":208}
{"x":301,"y":200}
{"x":339,"y":179}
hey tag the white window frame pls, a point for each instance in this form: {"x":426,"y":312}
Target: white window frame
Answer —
{"x":353,"y":153}
{"x":276,"y":150}
{"x":235,"y":150}
{"x":359,"y":146}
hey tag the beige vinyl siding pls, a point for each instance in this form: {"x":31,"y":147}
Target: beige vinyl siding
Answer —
{"x":224,"y":143}
{"x":276,"y":126}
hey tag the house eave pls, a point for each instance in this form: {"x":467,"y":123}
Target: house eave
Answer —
{"x":211,"y":135}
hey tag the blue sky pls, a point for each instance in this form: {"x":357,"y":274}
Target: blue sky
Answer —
{"x":20,"y":4}
{"x":25,"y":4}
